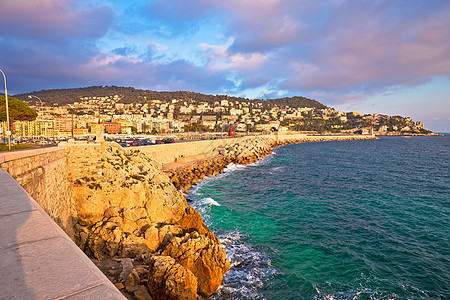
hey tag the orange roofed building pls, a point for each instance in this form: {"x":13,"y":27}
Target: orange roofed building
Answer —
{"x":112,"y":127}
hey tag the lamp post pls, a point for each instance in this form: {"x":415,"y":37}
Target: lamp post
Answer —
{"x":8,"y":132}
{"x":71,"y":107}
{"x":42,"y":104}
{"x":42,"y":108}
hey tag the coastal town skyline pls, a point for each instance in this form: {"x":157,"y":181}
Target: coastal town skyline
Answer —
{"x":378,"y":57}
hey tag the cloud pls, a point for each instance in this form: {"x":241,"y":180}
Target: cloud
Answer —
{"x":219,"y":58}
{"x":336,"y":51}
{"x":337,"y":47}
{"x":365,"y":47}
{"x":53,"y":20}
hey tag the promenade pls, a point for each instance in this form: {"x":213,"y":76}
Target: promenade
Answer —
{"x":37,"y":259}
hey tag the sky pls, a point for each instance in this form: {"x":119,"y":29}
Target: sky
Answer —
{"x":387,"y":57}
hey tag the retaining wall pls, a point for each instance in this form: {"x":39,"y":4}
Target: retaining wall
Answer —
{"x":169,"y":153}
{"x":190,"y":151}
{"x":43,"y":174}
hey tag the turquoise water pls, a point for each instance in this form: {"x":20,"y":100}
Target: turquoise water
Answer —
{"x":336,"y":220}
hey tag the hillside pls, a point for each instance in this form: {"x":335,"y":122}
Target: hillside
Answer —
{"x":132,"y":95}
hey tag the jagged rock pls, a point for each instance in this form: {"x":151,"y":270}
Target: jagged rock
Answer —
{"x":83,"y":239}
{"x":152,"y":237}
{"x":111,"y":212}
{"x":141,"y":293}
{"x":169,"y":280}
{"x":133,"y":279}
{"x":192,"y":221}
{"x":142,"y":271}
{"x":105,"y":240}
{"x":166,"y":232}
{"x":132,"y":246}
{"x":127,"y":267}
{"x":201,"y":255}
{"x":119,"y":285}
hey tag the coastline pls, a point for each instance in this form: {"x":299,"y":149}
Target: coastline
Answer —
{"x":185,"y":175}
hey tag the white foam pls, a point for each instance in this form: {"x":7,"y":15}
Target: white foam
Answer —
{"x":250,"y":268}
{"x":233,"y":167}
{"x":210,"y":201}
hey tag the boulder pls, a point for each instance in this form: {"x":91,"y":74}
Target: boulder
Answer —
{"x":201,"y":255}
{"x":152,"y":238}
{"x":192,"y":221}
{"x":168,"y":280}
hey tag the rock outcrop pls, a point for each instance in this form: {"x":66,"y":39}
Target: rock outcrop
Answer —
{"x":170,"y":280}
{"x":132,"y":211}
{"x":202,"y":256}
{"x":126,"y":180}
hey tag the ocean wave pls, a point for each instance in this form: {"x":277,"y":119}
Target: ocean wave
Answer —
{"x":250,"y":268}
{"x":210,"y":201}
{"x":233,"y":167}
{"x":206,"y":180}
{"x":367,"y":287}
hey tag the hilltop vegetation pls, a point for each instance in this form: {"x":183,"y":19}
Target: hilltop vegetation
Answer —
{"x":132,"y":95}
{"x":18,"y":110}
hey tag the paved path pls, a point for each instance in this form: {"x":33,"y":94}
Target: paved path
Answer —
{"x":37,"y":259}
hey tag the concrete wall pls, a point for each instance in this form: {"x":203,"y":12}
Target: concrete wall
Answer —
{"x":168,"y":153}
{"x":189,"y":151}
{"x":43,"y":174}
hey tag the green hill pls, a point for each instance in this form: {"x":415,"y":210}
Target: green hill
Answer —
{"x":132,"y":95}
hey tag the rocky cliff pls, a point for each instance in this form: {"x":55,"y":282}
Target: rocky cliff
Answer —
{"x":129,"y":211}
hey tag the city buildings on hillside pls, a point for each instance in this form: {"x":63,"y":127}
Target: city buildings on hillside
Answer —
{"x":109,"y":114}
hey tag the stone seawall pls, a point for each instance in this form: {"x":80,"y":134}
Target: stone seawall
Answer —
{"x":43,"y":174}
{"x":192,"y":151}
{"x":187,"y":151}
{"x":85,"y":161}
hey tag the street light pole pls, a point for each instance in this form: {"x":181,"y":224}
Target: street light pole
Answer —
{"x":72,"y":117}
{"x":42,"y":104}
{"x":42,"y":108}
{"x":8,"y":132}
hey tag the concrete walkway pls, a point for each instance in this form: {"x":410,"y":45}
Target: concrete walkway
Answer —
{"x":37,"y":259}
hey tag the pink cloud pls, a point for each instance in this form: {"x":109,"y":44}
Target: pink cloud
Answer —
{"x":53,"y":19}
{"x":365,"y":47}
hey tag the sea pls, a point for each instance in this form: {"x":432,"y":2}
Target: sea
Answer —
{"x":365,"y":219}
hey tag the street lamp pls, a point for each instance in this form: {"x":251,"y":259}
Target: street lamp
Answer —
{"x":8,"y":132}
{"x":42,"y":108}
{"x":42,"y":104}
{"x":72,"y":109}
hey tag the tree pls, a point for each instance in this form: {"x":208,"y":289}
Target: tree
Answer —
{"x":18,"y":110}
